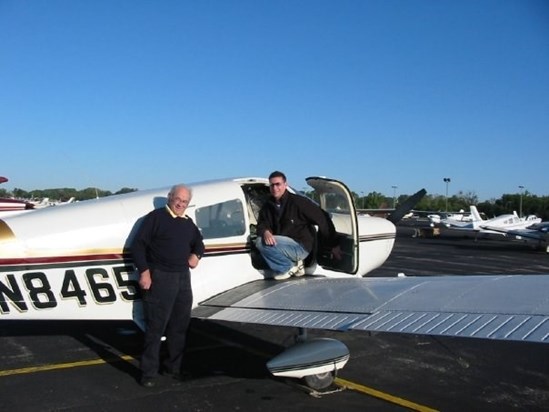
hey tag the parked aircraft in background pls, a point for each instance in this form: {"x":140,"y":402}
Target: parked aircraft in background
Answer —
{"x":10,"y":206}
{"x":73,"y":262}
{"x":479,"y":225}
{"x":46,"y":202}
{"x":536,"y":234}
{"x":449,"y":218}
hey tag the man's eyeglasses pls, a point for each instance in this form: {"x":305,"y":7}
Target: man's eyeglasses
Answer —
{"x":276,"y":184}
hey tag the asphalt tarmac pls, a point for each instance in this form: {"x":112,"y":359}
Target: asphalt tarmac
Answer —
{"x":92,"y":366}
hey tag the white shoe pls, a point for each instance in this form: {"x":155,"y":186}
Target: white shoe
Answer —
{"x":298,"y":270}
{"x":282,"y":276}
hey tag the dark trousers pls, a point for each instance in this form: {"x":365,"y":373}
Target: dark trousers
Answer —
{"x":167,"y":307}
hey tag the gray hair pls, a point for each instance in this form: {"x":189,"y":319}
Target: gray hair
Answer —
{"x":175,"y":188}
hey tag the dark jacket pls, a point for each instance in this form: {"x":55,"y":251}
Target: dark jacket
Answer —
{"x":295,"y":218}
{"x":164,"y":242}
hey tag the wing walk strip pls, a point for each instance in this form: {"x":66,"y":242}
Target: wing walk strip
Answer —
{"x":128,"y":358}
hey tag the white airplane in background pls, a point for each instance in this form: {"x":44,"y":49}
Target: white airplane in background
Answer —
{"x":73,"y":263}
{"x":45,"y":202}
{"x":506,"y":221}
{"x":449,"y":218}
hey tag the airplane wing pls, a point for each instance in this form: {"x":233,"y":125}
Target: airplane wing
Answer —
{"x":510,"y":307}
{"x":523,"y":233}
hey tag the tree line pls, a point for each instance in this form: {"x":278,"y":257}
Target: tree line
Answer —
{"x":507,"y":203}
{"x":63,"y":194}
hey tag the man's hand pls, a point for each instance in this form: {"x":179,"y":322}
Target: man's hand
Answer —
{"x":193,"y":261}
{"x":145,"y":280}
{"x":268,"y":238}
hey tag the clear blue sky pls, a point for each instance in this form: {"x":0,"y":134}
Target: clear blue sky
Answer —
{"x":143,"y":94}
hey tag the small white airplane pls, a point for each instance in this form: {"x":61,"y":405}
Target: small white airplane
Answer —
{"x":46,"y":202}
{"x":506,"y":221}
{"x":73,"y":263}
{"x":449,"y":218}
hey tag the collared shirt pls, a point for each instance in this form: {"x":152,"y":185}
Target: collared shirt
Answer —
{"x":174,"y":215}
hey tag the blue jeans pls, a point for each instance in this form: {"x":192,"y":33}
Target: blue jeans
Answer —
{"x":282,"y":256}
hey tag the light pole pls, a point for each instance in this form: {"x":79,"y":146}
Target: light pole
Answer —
{"x":394,"y":196}
{"x":520,"y":205}
{"x":446,"y":180}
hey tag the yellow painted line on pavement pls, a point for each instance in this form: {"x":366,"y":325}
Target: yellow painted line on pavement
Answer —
{"x":343,"y":382}
{"x":68,"y":365}
{"x":382,"y":395}
{"x":128,"y":358}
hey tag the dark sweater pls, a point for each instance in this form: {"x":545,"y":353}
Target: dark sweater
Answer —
{"x":295,"y":218}
{"x":165,"y":242}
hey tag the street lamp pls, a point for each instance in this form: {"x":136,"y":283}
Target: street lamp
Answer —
{"x":394,"y":196}
{"x":520,"y":205}
{"x":446,"y":180}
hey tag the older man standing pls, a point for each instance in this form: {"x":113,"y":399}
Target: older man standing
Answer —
{"x":166,"y":246}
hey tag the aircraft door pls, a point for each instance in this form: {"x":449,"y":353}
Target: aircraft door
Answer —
{"x":336,"y":199}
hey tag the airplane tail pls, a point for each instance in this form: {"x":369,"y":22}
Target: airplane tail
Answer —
{"x":406,"y":206}
{"x":476,"y":218}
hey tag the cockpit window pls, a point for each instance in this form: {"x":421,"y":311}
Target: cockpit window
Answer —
{"x":220,"y":220}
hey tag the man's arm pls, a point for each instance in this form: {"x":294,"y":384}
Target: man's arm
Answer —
{"x":140,"y":243}
{"x":197,"y":248}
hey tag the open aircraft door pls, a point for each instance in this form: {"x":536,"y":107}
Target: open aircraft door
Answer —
{"x":336,"y":199}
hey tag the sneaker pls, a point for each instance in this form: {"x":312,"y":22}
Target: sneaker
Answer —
{"x":282,"y":276}
{"x":299,"y":269}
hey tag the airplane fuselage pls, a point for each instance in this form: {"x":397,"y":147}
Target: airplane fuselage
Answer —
{"x":74,"y":262}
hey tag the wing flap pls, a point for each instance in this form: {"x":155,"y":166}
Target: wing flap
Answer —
{"x":512,"y":307}
{"x":487,"y":326}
